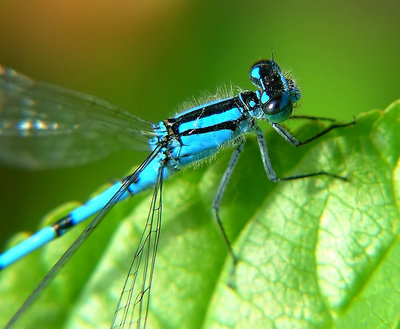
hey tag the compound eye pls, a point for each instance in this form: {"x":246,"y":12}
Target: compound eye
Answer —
{"x":273,"y":106}
{"x":279,"y":108}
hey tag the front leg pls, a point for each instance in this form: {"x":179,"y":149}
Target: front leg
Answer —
{"x":292,"y":140}
{"x":295,"y":142}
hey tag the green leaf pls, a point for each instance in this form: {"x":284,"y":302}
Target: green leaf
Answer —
{"x":313,"y":253}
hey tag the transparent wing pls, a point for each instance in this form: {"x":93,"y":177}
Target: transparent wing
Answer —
{"x":133,"y":304}
{"x":44,"y":126}
{"x":84,"y":235}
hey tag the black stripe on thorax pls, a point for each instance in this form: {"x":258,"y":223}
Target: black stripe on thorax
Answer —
{"x":173,"y":124}
{"x":209,"y":110}
{"x":227,"y":125}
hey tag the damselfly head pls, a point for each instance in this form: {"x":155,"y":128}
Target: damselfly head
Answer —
{"x":276,"y":93}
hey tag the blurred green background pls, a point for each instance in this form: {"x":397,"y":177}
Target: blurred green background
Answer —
{"x":150,"y":56}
